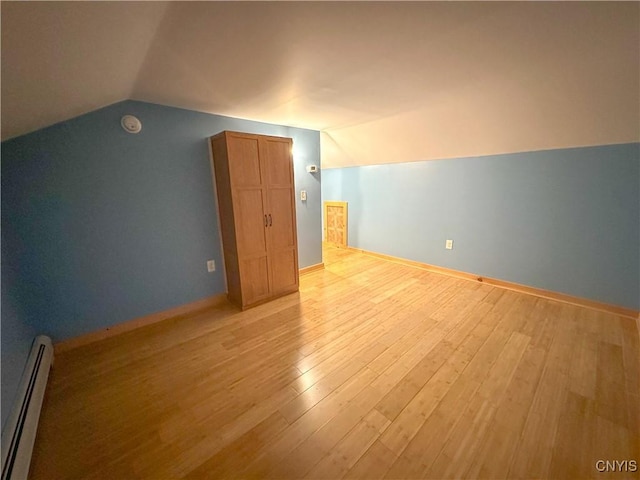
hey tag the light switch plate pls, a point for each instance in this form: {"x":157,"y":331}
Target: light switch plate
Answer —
{"x":211,"y":266}
{"x":449,"y":245}
{"x":303,"y":195}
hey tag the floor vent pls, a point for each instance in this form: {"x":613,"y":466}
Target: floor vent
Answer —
{"x":19,"y":433}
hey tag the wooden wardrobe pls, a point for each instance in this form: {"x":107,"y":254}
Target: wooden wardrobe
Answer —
{"x":256,"y":202}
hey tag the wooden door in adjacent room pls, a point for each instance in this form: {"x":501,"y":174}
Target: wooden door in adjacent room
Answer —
{"x":335,"y":223}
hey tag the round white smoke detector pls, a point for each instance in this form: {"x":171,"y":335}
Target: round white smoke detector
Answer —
{"x":131,"y":124}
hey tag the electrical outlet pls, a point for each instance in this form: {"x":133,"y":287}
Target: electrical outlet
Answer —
{"x":211,"y":266}
{"x":449,"y":245}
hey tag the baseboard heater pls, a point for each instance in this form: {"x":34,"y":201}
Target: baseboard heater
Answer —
{"x":19,"y":433}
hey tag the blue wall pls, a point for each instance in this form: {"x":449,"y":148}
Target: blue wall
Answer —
{"x":16,"y":339}
{"x":564,"y":220}
{"x":100,"y":226}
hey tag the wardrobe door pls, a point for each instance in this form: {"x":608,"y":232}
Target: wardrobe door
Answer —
{"x":249,"y":197}
{"x":281,"y":233}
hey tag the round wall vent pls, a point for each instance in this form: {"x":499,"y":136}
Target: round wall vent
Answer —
{"x":131,"y":124}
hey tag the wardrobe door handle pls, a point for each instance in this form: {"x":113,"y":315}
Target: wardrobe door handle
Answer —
{"x":270,"y":220}
{"x":266,"y":224}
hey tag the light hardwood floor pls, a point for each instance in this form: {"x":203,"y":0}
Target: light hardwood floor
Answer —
{"x":375,"y":370}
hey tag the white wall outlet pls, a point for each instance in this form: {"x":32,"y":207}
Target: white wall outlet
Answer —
{"x":303,"y":195}
{"x":211,"y":266}
{"x":449,"y":245}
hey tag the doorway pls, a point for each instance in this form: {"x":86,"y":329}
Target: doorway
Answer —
{"x":335,"y":223}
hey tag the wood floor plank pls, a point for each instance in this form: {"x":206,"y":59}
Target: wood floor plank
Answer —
{"x":577,"y":424}
{"x":610,"y":389}
{"x":373,"y":465}
{"x":501,"y":372}
{"x":583,"y":372}
{"x":348,"y":451}
{"x":269,"y":459}
{"x":464,"y":441}
{"x":297,"y":406}
{"x":499,"y":445}
{"x":414,"y":415}
{"x":612,"y":442}
{"x":631,"y":360}
{"x":298,"y":462}
{"x":402,"y":393}
{"x":233,"y":457}
{"x":422,"y":450}
{"x":535,"y":448}
{"x":373,"y":370}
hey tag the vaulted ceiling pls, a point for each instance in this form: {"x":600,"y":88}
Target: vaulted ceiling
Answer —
{"x":383,"y":81}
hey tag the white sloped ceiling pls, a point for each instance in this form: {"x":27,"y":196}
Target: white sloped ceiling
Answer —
{"x":384,"y":82}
